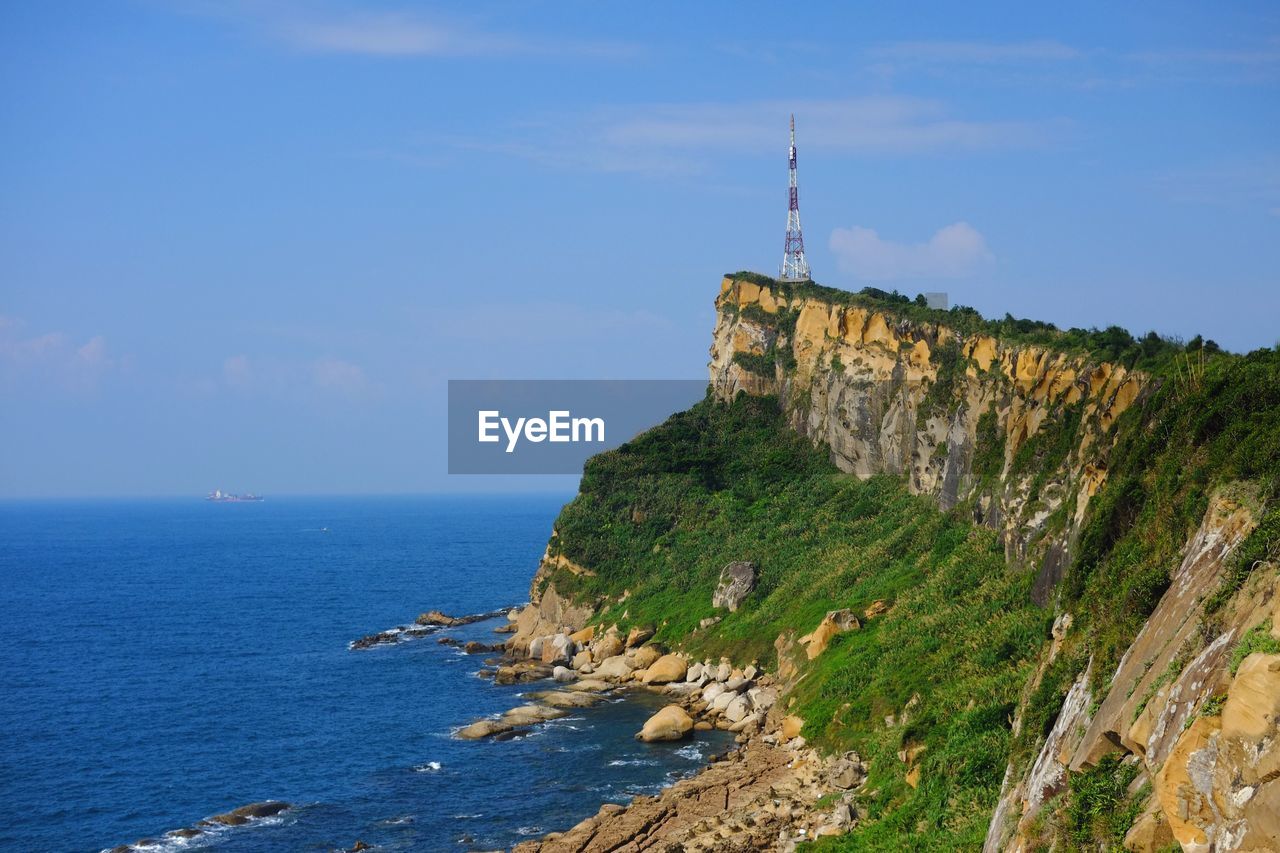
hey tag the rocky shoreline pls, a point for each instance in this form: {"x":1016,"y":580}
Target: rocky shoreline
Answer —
{"x":770,"y":791}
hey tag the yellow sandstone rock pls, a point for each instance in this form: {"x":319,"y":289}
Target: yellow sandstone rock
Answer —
{"x":671,"y":723}
{"x":666,"y":669}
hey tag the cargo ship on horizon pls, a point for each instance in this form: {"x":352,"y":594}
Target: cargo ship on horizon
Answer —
{"x":219,"y":496}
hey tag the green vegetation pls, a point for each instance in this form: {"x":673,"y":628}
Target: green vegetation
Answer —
{"x":1258,"y":639}
{"x":783,"y":327}
{"x":761,"y":364}
{"x":660,"y":516}
{"x":1098,"y":811}
{"x":940,"y":398}
{"x":1172,"y":451}
{"x":946,"y":666}
{"x":1263,"y":544}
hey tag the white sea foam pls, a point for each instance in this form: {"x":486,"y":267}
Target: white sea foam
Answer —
{"x":429,"y":767}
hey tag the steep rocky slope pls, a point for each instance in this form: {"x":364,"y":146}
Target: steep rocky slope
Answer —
{"x":1111,"y":677}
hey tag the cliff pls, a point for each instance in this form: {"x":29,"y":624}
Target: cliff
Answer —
{"x":1020,"y":431}
{"x":1028,"y":574}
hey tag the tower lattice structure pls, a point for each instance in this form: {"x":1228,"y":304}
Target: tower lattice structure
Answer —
{"x":795,"y":267}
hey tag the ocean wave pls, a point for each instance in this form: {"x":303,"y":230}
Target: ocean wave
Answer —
{"x":632,"y":762}
{"x":202,"y":833}
{"x":428,"y":767}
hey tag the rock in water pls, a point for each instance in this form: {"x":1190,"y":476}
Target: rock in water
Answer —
{"x":435,"y":617}
{"x":671,"y":723}
{"x":253,"y":811}
{"x":483,"y":729}
{"x":736,"y":581}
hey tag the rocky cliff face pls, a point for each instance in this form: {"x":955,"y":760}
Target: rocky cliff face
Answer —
{"x":1020,"y":434}
{"x":957,"y":416}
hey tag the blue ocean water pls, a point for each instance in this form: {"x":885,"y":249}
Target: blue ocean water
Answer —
{"x":163,"y":661}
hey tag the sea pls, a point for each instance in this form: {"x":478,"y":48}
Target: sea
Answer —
{"x":162,"y":661}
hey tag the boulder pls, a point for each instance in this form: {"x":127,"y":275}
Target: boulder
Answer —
{"x":738,"y":709}
{"x":666,"y":669}
{"x":736,"y":582}
{"x":835,"y":622}
{"x":581,"y":659}
{"x":724,"y":671}
{"x":718,"y":704}
{"x":737,"y":682}
{"x":558,"y":649}
{"x":528,"y":715}
{"x":791,"y":726}
{"x":671,"y":723}
{"x":483,"y":729}
{"x":616,"y":667}
{"x":711,"y":691}
{"x":762,"y":699}
{"x":847,"y":772}
{"x":693,"y":673}
{"x":563,"y":674}
{"x":565,"y":699}
{"x":590,"y":685}
{"x":681,"y":688}
{"x":584,"y":636}
{"x":606,"y":647}
{"x":639,"y":636}
{"x":644,"y":657}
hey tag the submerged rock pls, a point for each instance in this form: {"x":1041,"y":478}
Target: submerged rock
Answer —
{"x":253,"y":811}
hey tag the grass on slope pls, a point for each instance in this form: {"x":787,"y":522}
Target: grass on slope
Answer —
{"x":1199,"y":430}
{"x":661,"y":516}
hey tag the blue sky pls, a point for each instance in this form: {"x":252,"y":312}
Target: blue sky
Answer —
{"x":245,"y":244}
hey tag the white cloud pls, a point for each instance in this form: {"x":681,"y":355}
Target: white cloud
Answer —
{"x":976,"y":52}
{"x":683,"y":138}
{"x":337,"y":375}
{"x":356,"y":30}
{"x":954,"y":251}
{"x":53,"y":357}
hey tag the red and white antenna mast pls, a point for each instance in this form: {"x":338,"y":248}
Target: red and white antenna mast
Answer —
{"x":794,"y":265}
